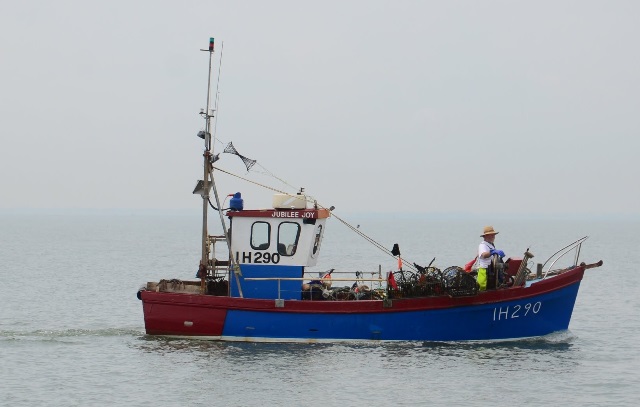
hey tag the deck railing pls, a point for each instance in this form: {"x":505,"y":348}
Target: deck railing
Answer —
{"x":279,"y":279}
{"x":553,"y":259}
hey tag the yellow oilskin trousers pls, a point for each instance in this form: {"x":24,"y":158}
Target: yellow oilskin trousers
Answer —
{"x":482,"y":279}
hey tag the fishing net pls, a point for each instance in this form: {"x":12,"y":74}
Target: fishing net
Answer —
{"x":248,"y":162}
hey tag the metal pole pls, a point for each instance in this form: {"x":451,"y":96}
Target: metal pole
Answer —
{"x":204,"y":261}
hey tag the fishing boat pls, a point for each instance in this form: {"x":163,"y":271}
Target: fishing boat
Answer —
{"x":263,"y":286}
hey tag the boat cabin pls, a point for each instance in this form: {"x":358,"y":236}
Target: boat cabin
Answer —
{"x":275,"y":245}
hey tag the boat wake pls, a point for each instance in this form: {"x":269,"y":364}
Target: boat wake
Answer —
{"x":66,"y":334}
{"x":557,"y":340}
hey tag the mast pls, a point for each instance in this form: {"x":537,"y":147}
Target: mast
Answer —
{"x":208,"y":183}
{"x":208,"y":153}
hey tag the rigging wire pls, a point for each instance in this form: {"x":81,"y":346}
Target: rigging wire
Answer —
{"x":267,"y":172}
{"x":353,"y":228}
{"x":215,"y":107}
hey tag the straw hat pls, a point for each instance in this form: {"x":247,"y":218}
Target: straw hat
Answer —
{"x":488,"y":230}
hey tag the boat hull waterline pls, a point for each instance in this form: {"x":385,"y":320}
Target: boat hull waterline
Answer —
{"x":542,"y":308}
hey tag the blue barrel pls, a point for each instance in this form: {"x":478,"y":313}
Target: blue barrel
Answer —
{"x":236,"y":203}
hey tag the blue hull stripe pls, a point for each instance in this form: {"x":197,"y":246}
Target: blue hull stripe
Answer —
{"x":534,"y":316}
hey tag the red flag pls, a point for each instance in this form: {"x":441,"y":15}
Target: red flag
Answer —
{"x":391,"y":281}
{"x":468,"y":266}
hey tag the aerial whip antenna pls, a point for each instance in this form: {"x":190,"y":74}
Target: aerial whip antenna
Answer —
{"x":215,"y":107}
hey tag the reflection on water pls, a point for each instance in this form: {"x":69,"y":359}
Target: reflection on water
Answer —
{"x":402,"y":370}
{"x":516,"y":352}
{"x":162,"y":345}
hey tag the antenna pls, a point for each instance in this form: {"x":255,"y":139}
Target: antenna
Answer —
{"x":215,"y":107}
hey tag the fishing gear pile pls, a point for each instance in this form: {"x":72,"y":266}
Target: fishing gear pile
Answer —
{"x":431,"y":281}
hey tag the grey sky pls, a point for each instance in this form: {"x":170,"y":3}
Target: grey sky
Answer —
{"x":424,"y":106}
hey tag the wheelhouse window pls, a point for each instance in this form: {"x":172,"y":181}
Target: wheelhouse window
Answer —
{"x":288,"y":234}
{"x":260,"y":235}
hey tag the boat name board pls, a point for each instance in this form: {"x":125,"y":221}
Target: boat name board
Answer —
{"x":294,"y":214}
{"x":257,"y":257}
{"x":283,"y":213}
{"x":517,"y":311}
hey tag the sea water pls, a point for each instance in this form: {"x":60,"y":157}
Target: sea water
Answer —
{"x":72,"y":330}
